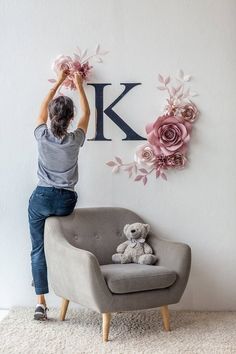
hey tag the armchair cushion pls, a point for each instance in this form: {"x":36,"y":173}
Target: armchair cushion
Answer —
{"x":128,"y":278}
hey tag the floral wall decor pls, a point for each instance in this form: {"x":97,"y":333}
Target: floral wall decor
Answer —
{"x":168,"y":136}
{"x":80,"y":63}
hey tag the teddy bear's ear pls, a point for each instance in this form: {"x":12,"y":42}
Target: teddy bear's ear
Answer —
{"x":125,"y":228}
{"x":148,"y":227}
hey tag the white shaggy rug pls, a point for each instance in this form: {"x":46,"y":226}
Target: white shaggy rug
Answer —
{"x":131,"y":332}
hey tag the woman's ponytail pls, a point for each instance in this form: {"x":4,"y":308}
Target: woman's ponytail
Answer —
{"x":61,"y":111}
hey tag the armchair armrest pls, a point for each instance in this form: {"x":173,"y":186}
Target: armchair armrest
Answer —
{"x":175,"y":256}
{"x":74,"y":273}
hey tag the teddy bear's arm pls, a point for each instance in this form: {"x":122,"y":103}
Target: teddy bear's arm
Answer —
{"x":147,"y":249}
{"x":121,"y":248}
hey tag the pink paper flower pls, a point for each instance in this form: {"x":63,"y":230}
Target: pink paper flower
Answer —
{"x":62,"y":62}
{"x":80,"y":64}
{"x":189,"y":112}
{"x":168,"y":135}
{"x":144,"y":156}
{"x":66,"y":62}
{"x":176,"y":160}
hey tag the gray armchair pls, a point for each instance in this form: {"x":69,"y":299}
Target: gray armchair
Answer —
{"x":78,"y":250}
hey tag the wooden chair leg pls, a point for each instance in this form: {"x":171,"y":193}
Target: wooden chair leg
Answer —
{"x":64,"y":306}
{"x":165,"y":317}
{"x":106,"y":319}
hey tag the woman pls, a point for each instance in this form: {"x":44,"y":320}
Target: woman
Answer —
{"x":57,"y":172}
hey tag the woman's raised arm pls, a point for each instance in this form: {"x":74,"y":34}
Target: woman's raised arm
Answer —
{"x":43,"y":114}
{"x":84,"y":118}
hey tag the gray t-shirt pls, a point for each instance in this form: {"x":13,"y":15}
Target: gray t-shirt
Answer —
{"x":58,"y":158}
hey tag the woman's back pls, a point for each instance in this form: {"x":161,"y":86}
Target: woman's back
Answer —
{"x":58,"y":157}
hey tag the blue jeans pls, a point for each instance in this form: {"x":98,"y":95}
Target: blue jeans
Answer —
{"x":44,"y":202}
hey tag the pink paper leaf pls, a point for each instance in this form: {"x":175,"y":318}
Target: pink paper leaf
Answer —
{"x":111,"y":163}
{"x":157,"y":173}
{"x":129,"y":168}
{"x":52,"y":80}
{"x":143,"y":170}
{"x":115,"y":169}
{"x":167,"y":80}
{"x":137,"y":178}
{"x":163,"y":175}
{"x":77,"y":57}
{"x":144,"y":180}
{"x":178,"y":88}
{"x":160,"y":78}
{"x":118,"y":159}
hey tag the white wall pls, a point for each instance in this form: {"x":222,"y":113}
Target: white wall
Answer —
{"x":197,"y":205}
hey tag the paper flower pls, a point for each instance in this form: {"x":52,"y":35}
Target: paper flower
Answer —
{"x":168,"y":134}
{"x":167,"y":137}
{"x":80,"y":63}
{"x":144,"y":156}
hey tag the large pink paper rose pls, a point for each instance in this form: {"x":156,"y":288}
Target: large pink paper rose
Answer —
{"x":62,"y":62}
{"x":168,"y":135}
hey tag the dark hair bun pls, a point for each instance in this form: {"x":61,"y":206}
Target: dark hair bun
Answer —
{"x":61,"y":110}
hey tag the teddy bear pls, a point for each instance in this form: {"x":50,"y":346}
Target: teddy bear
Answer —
{"x":135,"y":250}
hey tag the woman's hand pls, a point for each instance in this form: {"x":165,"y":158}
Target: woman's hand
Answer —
{"x":62,"y":75}
{"x":78,"y":80}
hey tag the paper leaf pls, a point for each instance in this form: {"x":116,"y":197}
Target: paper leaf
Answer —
{"x":129,"y":168}
{"x":178,"y":88}
{"x":187,"y":77}
{"x":115,"y":169}
{"x":84,"y":54}
{"x":181,"y":74}
{"x":167,"y":80}
{"x":111,"y":163}
{"x":137,"y":178}
{"x":157,"y":173}
{"x":193,"y":93}
{"x":98,"y":60}
{"x":104,"y":52}
{"x":143,"y":170}
{"x":163,"y":176}
{"x":97,"y":48}
{"x":79,"y":50}
{"x":77,"y":57}
{"x":160,"y":78}
{"x":52,"y":80}
{"x":118,"y":160}
{"x":144,"y":180}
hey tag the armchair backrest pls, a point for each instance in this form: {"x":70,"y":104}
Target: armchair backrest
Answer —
{"x":98,"y":230}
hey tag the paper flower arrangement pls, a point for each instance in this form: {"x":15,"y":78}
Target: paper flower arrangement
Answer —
{"x":167,"y":137}
{"x":80,"y":63}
